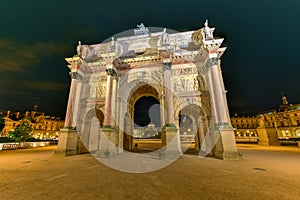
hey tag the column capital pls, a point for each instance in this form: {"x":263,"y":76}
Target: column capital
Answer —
{"x":74,"y":75}
{"x":161,"y":96}
{"x":212,"y":61}
{"x":111,"y":72}
{"x":167,"y":66}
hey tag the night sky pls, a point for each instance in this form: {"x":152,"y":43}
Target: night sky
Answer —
{"x":261,"y":60}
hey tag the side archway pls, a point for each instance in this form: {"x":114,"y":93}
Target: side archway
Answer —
{"x":90,"y":132}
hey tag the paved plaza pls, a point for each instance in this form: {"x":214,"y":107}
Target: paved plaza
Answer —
{"x":264,"y":173}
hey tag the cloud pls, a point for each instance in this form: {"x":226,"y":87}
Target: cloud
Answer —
{"x":14,"y":93}
{"x":12,"y":88}
{"x":44,"y":86}
{"x":49,"y":48}
{"x":16,"y":56}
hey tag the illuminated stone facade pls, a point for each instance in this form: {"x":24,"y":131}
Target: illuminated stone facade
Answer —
{"x":181,"y":70}
{"x":285,"y":121}
{"x":44,"y":127}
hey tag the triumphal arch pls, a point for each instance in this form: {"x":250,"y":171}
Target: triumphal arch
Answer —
{"x":180,"y":70}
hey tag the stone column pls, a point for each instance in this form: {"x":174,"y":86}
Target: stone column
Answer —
{"x":69,"y":142}
{"x":109,"y":100}
{"x":170,"y":136}
{"x":108,"y":145}
{"x":222,"y":133}
{"x":201,"y":132}
{"x":162,"y":110}
{"x":224,"y":92}
{"x":218,"y":93}
{"x":70,"y":107}
{"x":168,"y":83}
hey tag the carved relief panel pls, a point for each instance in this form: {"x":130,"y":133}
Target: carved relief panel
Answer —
{"x":101,"y":87}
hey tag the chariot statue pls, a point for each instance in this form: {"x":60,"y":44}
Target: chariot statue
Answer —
{"x":141,"y":30}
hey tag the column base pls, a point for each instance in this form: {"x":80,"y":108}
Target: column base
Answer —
{"x":171,"y":142}
{"x":225,"y":148}
{"x":68,"y":142}
{"x":228,"y":155}
{"x":108,"y":145}
{"x":169,"y":154}
{"x":203,"y":154}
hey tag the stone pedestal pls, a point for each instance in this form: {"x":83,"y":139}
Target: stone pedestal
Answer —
{"x":225,"y":147}
{"x":108,"y":145}
{"x":171,"y":142}
{"x":68,"y":142}
{"x":267,"y":136}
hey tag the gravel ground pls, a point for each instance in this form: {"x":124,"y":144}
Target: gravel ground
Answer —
{"x":264,"y":173}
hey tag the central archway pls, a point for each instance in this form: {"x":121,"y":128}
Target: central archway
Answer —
{"x":145,"y":112}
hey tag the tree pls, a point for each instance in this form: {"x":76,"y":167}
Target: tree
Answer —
{"x":21,"y":132}
{"x":2,"y":123}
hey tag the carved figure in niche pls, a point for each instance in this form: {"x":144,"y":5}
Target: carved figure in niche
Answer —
{"x":201,"y":83}
{"x":183,"y":84}
{"x":196,"y":84}
{"x":93,"y":91}
{"x":190,"y":83}
{"x":178,"y":86}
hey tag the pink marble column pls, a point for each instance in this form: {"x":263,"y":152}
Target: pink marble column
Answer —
{"x":218,"y":92}
{"x":162,"y":109}
{"x":70,"y":107}
{"x":168,"y":83}
{"x":108,"y":101}
{"x":201,"y":130}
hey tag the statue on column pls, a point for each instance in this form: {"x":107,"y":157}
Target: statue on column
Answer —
{"x":112,"y":45}
{"x":284,"y":104}
{"x":79,"y":47}
{"x":208,"y":33}
{"x":284,"y":100}
{"x":165,"y":37}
